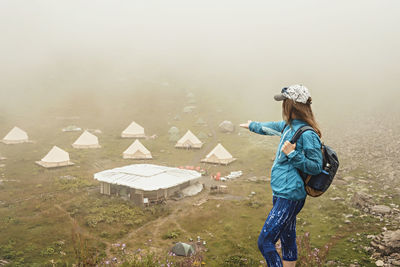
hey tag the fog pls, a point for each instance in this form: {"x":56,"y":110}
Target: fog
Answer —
{"x":345,"y":52}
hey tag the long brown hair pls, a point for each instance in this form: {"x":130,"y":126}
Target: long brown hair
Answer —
{"x":295,"y":110}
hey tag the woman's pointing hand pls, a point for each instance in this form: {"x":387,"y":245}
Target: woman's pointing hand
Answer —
{"x":245,"y":125}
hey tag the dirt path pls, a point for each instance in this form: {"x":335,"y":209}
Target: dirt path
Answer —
{"x":79,"y":229}
{"x":157,"y":224}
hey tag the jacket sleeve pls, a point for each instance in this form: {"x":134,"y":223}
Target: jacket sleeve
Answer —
{"x":310,"y":161}
{"x":267,"y":128}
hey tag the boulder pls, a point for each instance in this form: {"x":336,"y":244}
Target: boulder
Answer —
{"x":387,"y":243}
{"x":391,"y":240}
{"x":361,"y":200}
{"x":227,"y":127}
{"x":381,"y":209}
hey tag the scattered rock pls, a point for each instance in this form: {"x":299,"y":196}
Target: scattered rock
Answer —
{"x":67,"y":177}
{"x":336,"y":198}
{"x":396,"y":262}
{"x":381,"y":209}
{"x":348,"y":178}
{"x":379,"y":263}
{"x":386,"y":187}
{"x":361,"y":200}
{"x":338,"y":182}
{"x":252,"y":179}
{"x":388,"y":243}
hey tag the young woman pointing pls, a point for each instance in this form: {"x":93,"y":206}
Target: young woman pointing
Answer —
{"x":287,"y":185}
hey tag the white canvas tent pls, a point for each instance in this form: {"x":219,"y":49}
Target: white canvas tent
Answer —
{"x":134,"y":130}
{"x":189,"y":140}
{"x":16,"y":136}
{"x":137,"y":151}
{"x":86,"y":140}
{"x":219,"y":155}
{"x":55,"y":158}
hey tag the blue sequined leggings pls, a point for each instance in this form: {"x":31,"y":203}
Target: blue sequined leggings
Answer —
{"x":280,"y":224}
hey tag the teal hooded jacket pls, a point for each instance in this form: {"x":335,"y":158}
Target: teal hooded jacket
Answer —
{"x":286,"y":181}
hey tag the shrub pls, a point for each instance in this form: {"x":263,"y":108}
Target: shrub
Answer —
{"x":309,"y":256}
{"x":240,"y":260}
{"x":84,"y":255}
{"x":172,"y":234}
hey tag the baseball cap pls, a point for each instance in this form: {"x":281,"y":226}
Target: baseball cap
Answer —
{"x":298,"y":93}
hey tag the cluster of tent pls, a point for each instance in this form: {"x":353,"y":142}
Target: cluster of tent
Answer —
{"x":57,"y":157}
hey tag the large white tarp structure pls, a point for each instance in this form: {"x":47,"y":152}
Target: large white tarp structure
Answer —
{"x":137,"y":151}
{"x":86,"y":140}
{"x":189,"y":140}
{"x":147,"y":177}
{"x":219,"y":155}
{"x":134,"y":130}
{"x":16,"y":136}
{"x":55,"y":158}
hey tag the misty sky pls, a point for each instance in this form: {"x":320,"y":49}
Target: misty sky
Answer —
{"x":336,"y":48}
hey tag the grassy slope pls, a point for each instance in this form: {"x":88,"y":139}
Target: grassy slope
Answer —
{"x":38,"y":209}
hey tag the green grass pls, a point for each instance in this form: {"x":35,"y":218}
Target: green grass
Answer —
{"x":40,"y":209}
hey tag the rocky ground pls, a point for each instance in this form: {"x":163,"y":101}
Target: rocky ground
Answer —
{"x":370,"y":155}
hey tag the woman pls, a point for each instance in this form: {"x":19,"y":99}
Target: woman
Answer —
{"x":287,"y":185}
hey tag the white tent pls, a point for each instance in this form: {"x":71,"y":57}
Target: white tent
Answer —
{"x":219,"y":155}
{"x":55,"y":158}
{"x":189,"y":140}
{"x":86,"y":140}
{"x":16,"y":136}
{"x":134,"y":130}
{"x":137,"y":151}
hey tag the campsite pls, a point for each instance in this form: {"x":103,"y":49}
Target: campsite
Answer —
{"x":41,"y":207}
{"x":120,"y":136}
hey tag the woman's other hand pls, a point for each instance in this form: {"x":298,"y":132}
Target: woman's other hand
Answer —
{"x":245,"y":125}
{"x":288,"y":147}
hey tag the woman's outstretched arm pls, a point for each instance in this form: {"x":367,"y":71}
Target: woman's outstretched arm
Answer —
{"x":265,"y":128}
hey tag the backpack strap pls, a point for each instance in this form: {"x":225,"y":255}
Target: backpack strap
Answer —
{"x":299,"y":132}
{"x":284,"y":127}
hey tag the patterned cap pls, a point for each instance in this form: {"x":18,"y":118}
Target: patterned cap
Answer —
{"x":298,"y":93}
